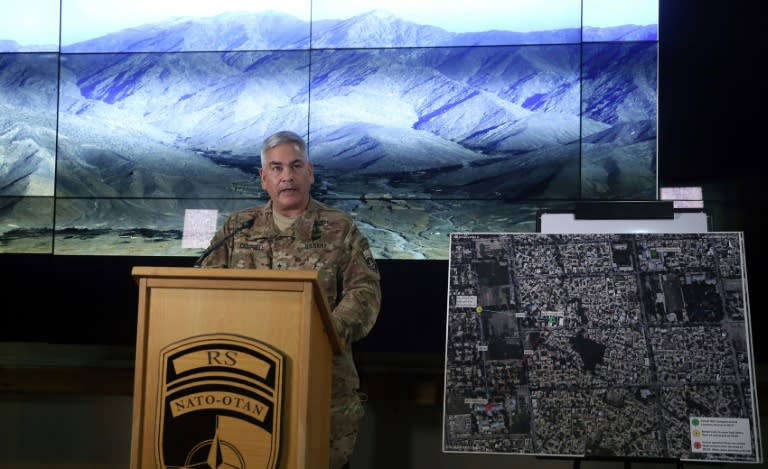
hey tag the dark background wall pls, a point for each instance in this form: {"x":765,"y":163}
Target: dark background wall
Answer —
{"x":711,"y":128}
{"x":712,"y":121}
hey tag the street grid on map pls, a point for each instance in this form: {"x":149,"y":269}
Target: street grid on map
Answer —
{"x":596,"y":345}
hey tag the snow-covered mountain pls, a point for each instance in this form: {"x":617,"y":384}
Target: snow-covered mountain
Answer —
{"x":176,"y":125}
{"x":274,"y":30}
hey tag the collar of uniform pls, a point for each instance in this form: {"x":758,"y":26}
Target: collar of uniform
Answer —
{"x":302,"y":227}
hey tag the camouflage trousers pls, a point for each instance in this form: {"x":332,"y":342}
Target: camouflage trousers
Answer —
{"x":346,"y":415}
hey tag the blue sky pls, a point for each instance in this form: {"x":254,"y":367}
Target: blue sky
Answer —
{"x":30,"y":21}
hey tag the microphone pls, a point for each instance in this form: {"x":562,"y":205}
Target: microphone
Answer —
{"x":247,"y":224}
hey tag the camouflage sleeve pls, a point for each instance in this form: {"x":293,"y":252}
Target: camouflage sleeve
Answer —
{"x":358,"y":309}
{"x":219,"y":258}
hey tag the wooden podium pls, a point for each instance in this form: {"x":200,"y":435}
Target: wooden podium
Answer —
{"x":233,"y":369}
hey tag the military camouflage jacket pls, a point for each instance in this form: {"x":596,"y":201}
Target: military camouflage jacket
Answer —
{"x":324,"y":239}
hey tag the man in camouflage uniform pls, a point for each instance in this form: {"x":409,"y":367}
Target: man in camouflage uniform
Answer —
{"x":294,"y":231}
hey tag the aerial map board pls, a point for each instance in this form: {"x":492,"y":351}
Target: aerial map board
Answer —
{"x":610,"y":345}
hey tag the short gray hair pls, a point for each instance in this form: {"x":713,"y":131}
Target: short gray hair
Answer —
{"x":283,"y":136}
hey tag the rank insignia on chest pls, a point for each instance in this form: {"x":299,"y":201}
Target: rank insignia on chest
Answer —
{"x":316,"y":229}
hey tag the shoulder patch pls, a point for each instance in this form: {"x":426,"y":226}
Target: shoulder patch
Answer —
{"x":370,"y":261}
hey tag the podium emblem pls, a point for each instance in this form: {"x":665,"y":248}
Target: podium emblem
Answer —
{"x":220,"y":403}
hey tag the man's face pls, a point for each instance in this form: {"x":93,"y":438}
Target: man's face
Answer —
{"x":287,"y":178}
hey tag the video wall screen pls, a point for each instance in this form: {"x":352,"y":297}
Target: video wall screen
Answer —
{"x":610,"y":345}
{"x":422,"y":118}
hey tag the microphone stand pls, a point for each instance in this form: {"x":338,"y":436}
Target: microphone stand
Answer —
{"x":220,"y":243}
